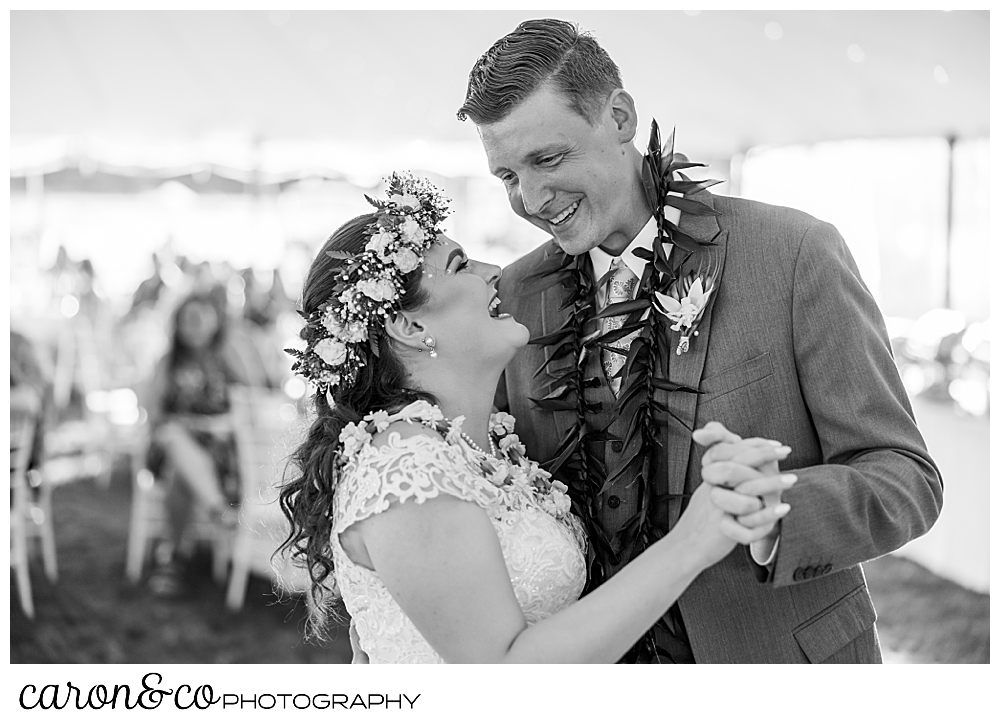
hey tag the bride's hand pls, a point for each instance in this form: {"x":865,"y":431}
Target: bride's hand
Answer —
{"x":711,"y":531}
{"x":747,"y":515}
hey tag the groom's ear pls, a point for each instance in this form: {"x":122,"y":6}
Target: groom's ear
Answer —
{"x":623,"y":115}
{"x":406,"y":329}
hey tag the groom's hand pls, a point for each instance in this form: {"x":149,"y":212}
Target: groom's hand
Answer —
{"x":731,"y":461}
{"x":728,"y":447}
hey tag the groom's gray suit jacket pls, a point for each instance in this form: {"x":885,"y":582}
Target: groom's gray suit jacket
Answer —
{"x":792,"y":347}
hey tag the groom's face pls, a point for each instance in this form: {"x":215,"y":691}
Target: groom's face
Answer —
{"x":570,"y":178}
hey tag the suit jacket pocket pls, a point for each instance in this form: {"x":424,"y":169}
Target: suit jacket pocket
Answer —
{"x":735,"y":377}
{"x":836,"y":626}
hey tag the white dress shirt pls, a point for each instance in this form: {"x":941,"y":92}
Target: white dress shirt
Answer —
{"x":602,"y":260}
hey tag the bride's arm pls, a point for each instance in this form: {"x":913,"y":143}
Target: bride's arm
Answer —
{"x":441,"y":560}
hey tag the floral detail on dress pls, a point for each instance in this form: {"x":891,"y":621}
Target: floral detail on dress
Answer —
{"x":543,"y":544}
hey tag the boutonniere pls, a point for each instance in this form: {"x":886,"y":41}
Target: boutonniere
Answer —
{"x":685,"y":303}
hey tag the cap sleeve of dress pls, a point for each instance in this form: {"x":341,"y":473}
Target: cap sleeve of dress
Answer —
{"x":417,"y":468}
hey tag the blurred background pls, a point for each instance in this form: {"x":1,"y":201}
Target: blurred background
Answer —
{"x":168,"y":157}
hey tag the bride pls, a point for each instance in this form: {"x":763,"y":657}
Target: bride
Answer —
{"x":417,"y":507}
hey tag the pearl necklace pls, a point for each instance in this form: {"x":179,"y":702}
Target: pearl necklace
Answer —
{"x":474,"y":446}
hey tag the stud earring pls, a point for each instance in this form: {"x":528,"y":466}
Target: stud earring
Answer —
{"x":430,"y":342}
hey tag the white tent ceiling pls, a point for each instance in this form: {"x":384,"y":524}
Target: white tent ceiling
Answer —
{"x":342,"y":88}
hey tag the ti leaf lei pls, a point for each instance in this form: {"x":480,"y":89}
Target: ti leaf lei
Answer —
{"x":646,"y":365}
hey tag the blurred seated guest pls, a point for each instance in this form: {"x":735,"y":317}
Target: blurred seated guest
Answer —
{"x":147,"y":294}
{"x":141,"y":333}
{"x":266,"y":298}
{"x":93,"y":301}
{"x":265,"y":313}
{"x":256,"y":337}
{"x":99,"y":345}
{"x":204,"y":280}
{"x":192,"y":447}
{"x":28,"y":377}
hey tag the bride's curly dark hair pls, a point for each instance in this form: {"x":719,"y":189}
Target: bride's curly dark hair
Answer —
{"x":306,"y":498}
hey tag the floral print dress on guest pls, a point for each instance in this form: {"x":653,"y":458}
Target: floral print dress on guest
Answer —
{"x":196,"y":389}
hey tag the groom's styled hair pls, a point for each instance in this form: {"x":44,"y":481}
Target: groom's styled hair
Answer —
{"x":535,"y":53}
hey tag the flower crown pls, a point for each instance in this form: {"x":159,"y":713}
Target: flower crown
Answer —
{"x":342,"y":333}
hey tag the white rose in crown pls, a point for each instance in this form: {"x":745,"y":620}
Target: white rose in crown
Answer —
{"x":331,"y":351}
{"x":405,"y":260}
{"x":685,"y":310}
{"x":347,"y":299}
{"x":405,"y":200}
{"x":411,"y":231}
{"x":380,"y":242}
{"x":355,"y":332}
{"x":332,"y":325}
{"x":377,"y":289}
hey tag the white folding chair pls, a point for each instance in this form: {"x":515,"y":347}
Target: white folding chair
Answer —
{"x":30,"y":517}
{"x":265,"y":421}
{"x":149,"y":522}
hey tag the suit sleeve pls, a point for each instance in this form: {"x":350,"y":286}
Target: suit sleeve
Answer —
{"x":877,"y":487}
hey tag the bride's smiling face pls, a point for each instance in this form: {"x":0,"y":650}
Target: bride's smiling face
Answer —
{"x":461,"y":311}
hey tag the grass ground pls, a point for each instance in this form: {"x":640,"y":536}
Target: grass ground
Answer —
{"x":94,"y":615}
{"x":924,"y":619}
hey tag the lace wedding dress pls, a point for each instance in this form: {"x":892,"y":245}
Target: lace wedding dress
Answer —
{"x":543,"y":544}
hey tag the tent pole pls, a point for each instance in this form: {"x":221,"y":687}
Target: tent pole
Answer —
{"x":949,"y":212}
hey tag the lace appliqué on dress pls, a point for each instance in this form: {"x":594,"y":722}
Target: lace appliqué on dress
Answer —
{"x":544,"y":557}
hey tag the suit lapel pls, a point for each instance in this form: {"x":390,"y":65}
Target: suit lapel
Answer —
{"x":686,"y":368}
{"x":552,"y":319}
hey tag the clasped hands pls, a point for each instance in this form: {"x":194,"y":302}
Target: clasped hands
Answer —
{"x":746,"y":485}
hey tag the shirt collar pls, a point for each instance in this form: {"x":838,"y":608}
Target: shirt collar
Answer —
{"x":644,"y":240}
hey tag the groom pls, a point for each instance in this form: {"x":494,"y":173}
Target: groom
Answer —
{"x":780,"y":339}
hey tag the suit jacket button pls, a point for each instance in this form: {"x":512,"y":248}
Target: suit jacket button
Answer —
{"x":614,"y":501}
{"x":615,"y":559}
{"x":617,"y":445}
{"x":797,"y":576}
{"x":808,"y":572}
{"x":826,"y":569}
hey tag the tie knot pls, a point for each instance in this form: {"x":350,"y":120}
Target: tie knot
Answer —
{"x":622,"y":282}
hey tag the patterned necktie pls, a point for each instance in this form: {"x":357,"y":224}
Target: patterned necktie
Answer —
{"x":621,"y":286}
